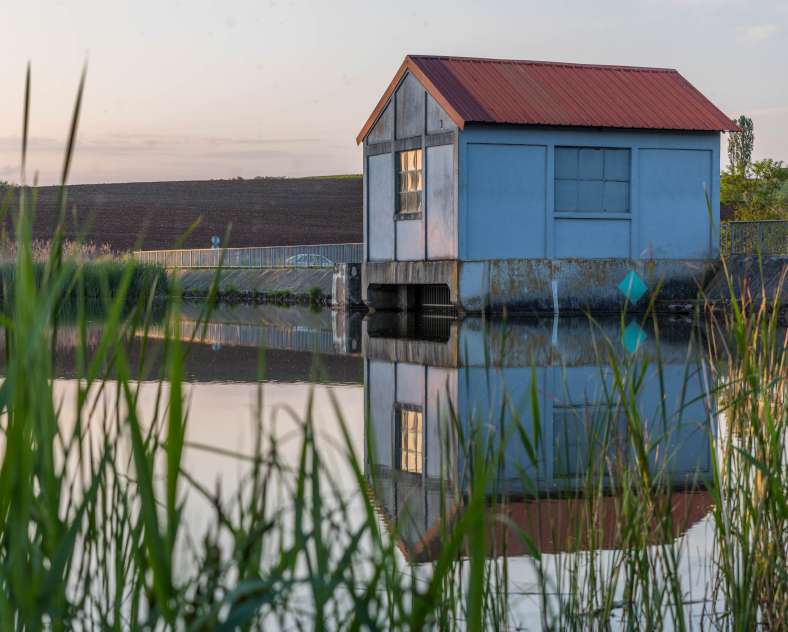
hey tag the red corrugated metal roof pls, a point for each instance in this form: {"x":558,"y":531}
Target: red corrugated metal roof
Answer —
{"x":552,"y":93}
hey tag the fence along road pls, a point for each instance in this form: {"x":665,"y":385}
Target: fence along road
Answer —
{"x":768,"y":238}
{"x":311,"y":256}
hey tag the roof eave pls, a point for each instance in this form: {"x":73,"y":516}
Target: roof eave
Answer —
{"x":409,"y":65}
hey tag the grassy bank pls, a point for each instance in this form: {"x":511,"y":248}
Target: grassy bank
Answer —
{"x":92,"y":280}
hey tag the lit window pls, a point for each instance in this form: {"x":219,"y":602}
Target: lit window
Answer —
{"x":410,"y":439}
{"x":410,"y":177}
{"x":589,"y":179}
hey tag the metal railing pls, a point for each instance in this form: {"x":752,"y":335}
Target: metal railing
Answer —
{"x":312,"y":256}
{"x":254,"y":335}
{"x":767,"y":237}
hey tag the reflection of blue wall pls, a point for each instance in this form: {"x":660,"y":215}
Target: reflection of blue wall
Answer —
{"x":571,"y":408}
{"x":655,"y":207}
{"x":489,"y":383}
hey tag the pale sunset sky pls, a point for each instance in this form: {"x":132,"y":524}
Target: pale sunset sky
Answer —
{"x":200,"y":89}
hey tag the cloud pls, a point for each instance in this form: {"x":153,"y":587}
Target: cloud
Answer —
{"x":34,"y":143}
{"x":696,"y":4}
{"x":757,"y":33}
{"x":768,"y":111}
{"x":250,"y":154}
{"x":8,"y":170}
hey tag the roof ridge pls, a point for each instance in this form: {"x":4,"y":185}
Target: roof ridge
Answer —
{"x":531,"y":92}
{"x":538,"y":62}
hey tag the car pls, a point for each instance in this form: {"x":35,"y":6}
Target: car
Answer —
{"x":307,"y":260}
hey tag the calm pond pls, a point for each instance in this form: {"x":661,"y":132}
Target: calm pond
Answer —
{"x":414,"y":375}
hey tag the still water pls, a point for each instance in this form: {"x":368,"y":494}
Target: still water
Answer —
{"x":420,"y":383}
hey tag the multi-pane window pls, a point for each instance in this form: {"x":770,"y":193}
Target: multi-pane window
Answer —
{"x":410,"y":439}
{"x":410,"y":178}
{"x":586,"y":435}
{"x":589,"y":179}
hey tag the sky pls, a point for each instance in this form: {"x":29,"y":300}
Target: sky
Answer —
{"x":201,"y":89}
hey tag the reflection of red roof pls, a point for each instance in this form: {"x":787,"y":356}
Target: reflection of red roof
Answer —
{"x":556,"y":525}
{"x":564,"y":94}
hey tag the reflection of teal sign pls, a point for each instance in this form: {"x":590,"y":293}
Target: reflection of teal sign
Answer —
{"x":634,"y":336}
{"x":632,"y":287}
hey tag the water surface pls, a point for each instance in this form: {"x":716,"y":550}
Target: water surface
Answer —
{"x":413,"y":390}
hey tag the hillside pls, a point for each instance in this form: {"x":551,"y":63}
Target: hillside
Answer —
{"x":263,"y":212}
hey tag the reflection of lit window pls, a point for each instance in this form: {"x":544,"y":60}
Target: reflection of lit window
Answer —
{"x":409,"y":176}
{"x":410,"y":439}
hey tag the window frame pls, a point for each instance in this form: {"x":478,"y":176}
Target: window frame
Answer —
{"x":587,"y":421}
{"x":399,"y":214}
{"x":603,"y":180}
{"x":401,"y":453}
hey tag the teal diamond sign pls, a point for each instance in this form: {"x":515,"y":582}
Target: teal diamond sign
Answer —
{"x":632,"y":287}
{"x":634,"y":336}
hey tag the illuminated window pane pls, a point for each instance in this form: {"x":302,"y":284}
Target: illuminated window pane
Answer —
{"x":410,"y":439}
{"x":410,"y":179}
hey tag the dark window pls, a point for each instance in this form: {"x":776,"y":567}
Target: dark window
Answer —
{"x":410,"y":439}
{"x":586,"y":435}
{"x":410,"y":178}
{"x":591,"y":179}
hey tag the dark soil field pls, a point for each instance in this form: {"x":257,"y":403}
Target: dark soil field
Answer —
{"x":262,"y":212}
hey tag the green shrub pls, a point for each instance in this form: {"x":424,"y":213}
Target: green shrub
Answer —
{"x":315,"y":295}
{"x":94,"y":280}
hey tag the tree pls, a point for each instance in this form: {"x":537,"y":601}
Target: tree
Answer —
{"x":740,"y":145}
{"x":759,"y":193}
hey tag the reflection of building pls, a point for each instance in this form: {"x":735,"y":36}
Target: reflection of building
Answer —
{"x":414,"y":449}
{"x":503,"y":183}
{"x":269,"y":327}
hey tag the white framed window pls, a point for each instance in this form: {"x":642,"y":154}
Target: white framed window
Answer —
{"x":592,"y":179}
{"x":410,"y":183}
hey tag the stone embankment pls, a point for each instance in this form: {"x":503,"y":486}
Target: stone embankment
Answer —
{"x":752,"y":279}
{"x":286,"y":285}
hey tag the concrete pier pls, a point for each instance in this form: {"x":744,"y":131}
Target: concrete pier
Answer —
{"x":534,"y":285}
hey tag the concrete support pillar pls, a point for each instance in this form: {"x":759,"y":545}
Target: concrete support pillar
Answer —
{"x":346,"y":286}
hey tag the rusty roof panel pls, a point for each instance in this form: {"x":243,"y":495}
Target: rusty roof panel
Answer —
{"x":562,"y":94}
{"x":547,"y":93}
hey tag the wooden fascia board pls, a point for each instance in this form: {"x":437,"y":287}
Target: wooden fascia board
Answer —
{"x":408,"y":66}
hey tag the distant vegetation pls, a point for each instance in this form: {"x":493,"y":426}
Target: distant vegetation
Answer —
{"x":754,"y":190}
{"x":97,"y":269}
{"x":74,"y":250}
{"x":92,"y":280}
{"x":343,"y":176}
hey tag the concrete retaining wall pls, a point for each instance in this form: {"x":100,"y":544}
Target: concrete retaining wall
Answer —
{"x":752,"y":279}
{"x":532,"y":285}
{"x":297,"y":281}
{"x":346,"y":286}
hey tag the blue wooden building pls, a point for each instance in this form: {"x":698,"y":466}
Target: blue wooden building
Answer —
{"x":493,"y":184}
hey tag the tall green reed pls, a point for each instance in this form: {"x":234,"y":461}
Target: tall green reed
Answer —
{"x":92,"y":498}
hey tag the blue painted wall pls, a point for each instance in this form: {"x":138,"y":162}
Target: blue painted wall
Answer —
{"x":504,"y":183}
{"x":654,"y":207}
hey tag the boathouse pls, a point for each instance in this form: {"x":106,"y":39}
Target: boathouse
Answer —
{"x":504,"y":184}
